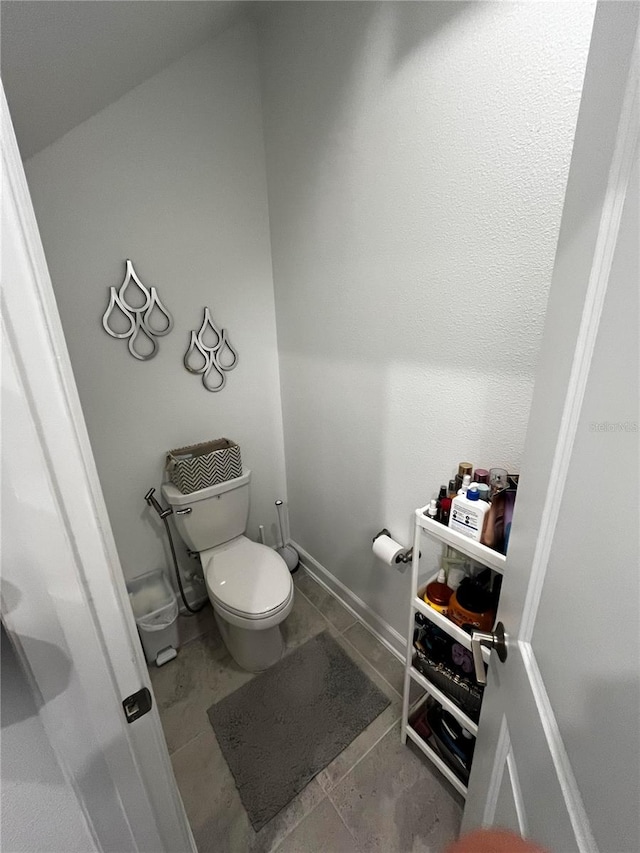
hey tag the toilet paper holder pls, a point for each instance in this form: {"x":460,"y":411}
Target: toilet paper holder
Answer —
{"x":401,"y":558}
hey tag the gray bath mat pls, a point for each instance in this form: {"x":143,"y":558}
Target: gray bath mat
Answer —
{"x":283,"y":727}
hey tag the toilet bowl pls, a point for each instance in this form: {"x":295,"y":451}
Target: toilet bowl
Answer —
{"x":249,"y":585}
{"x":251,"y":591}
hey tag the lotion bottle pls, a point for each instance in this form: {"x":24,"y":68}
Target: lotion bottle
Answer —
{"x":468,"y":513}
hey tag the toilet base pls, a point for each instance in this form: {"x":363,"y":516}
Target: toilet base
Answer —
{"x":254,"y":651}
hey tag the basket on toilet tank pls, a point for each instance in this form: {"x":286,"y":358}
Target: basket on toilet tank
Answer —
{"x":201,"y":465}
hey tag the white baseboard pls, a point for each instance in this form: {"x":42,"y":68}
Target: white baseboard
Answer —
{"x":384,"y":632}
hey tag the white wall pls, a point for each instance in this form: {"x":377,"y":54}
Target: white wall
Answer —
{"x":417,"y":155}
{"x":40,"y":811}
{"x":172,"y":176}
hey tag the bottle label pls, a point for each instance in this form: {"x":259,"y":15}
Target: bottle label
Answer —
{"x":466,"y":520}
{"x":441,"y":608}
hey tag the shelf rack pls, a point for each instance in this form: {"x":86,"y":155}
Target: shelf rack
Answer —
{"x":480,"y":554}
{"x":445,"y":624}
{"x":433,"y":756}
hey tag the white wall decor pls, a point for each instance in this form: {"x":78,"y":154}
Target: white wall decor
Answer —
{"x":139,"y":318}
{"x":218,"y":358}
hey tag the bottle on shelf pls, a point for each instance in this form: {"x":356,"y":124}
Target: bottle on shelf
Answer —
{"x":437,"y":593}
{"x":468,"y":513}
{"x":432,"y":509}
{"x":466,"y":482}
{"x":472,"y":606}
{"x":483,"y":490}
{"x":444,"y":511}
{"x":498,"y":480}
{"x":443,"y":504}
{"x":463,"y":468}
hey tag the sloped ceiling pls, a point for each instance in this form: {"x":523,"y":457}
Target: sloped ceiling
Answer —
{"x":64,"y":60}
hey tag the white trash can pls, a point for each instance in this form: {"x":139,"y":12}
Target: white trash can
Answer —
{"x":155,"y":608}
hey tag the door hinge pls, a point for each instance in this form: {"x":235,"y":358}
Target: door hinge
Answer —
{"x":137,"y":705}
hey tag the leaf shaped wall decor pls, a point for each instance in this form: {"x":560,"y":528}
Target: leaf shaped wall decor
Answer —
{"x":139,"y":317}
{"x":217,"y":359}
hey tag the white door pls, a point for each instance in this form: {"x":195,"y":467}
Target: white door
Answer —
{"x":558,"y":752}
{"x":64,"y":603}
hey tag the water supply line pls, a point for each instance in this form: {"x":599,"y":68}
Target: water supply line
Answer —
{"x":164,"y":515}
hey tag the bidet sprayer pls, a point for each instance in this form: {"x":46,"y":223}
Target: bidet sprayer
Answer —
{"x":149,"y":498}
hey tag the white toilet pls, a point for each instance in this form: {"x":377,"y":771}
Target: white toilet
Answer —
{"x":249,"y":585}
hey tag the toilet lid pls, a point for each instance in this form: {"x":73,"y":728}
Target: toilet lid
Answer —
{"x":247,"y":577}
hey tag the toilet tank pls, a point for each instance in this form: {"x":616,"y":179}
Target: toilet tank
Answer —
{"x":210,"y":516}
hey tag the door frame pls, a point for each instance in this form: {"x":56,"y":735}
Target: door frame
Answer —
{"x":82,"y":607}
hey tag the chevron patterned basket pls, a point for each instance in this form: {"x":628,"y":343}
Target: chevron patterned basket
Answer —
{"x":200,"y":465}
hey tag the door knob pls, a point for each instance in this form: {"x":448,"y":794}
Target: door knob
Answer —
{"x":496,"y":640}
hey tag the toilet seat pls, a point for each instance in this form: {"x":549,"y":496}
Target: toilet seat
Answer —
{"x":262,"y":623}
{"x":247,"y":581}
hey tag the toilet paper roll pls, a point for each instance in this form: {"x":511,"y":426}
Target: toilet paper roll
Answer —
{"x":387,"y":549}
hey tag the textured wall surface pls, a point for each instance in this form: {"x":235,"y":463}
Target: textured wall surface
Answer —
{"x":172,"y":176}
{"x":417,"y":155}
{"x":40,"y":811}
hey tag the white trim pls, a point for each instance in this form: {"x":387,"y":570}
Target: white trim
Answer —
{"x":516,"y":790}
{"x":82,"y":608}
{"x":568,"y":784}
{"x":503,"y":746}
{"x":620,"y":172}
{"x":381,"y":630}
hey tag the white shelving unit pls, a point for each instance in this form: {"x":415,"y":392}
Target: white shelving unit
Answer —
{"x":480,"y":554}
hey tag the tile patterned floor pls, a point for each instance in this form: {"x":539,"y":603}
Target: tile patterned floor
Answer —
{"x":377,"y":795}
